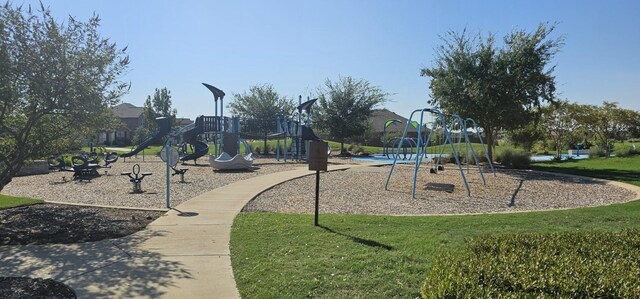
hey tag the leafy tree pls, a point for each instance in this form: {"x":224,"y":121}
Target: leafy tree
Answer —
{"x":258,"y":108}
{"x":608,"y":123}
{"x":140,"y":135}
{"x":526,"y":136}
{"x":345,"y":107}
{"x":501,"y":88}
{"x":158,"y":106}
{"x":57,"y":81}
{"x":559,"y":124}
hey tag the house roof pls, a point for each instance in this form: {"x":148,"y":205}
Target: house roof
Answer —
{"x":379,"y":117}
{"x":182,"y":121}
{"x":127,"y":110}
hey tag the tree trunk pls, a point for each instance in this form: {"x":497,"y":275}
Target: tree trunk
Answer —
{"x":265,"y":150}
{"x":490,"y":141}
{"x":12,"y":167}
{"x":342,"y":153}
{"x":5,"y":178}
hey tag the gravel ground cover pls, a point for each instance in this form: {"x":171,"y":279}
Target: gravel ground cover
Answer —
{"x":354,"y":191}
{"x":361,"y":191}
{"x":64,"y":224}
{"x":113,"y":189}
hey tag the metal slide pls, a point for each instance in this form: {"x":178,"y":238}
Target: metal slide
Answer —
{"x":190,"y":137}
{"x":164,"y":126}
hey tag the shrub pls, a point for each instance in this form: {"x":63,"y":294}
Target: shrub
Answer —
{"x":623,"y":152}
{"x":559,"y":265}
{"x":596,"y":151}
{"x":482,"y":157}
{"x":514,"y":158}
{"x":462,"y":156}
{"x":356,"y":149}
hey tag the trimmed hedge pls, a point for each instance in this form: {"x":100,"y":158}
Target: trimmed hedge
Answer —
{"x":559,"y":265}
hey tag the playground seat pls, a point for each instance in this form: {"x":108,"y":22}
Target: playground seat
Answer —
{"x":136,"y":178}
{"x":179,"y":171}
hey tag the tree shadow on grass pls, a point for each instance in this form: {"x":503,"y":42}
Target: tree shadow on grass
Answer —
{"x":358,"y":240}
{"x":627,"y":176}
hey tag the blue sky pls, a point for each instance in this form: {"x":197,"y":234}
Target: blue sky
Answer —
{"x":297,"y":45}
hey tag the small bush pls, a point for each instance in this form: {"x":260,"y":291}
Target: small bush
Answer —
{"x":482,"y":157}
{"x":623,"y":152}
{"x":596,"y":151}
{"x":356,"y":149}
{"x":462,"y":155}
{"x":560,"y":265}
{"x":512,"y":158}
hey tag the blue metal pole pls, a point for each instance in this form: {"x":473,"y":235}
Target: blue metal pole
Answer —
{"x":395,"y":156}
{"x":418,"y":159}
{"x":167,"y":147}
{"x":299,"y":132}
{"x":475,"y":127}
{"x":236,"y":129}
{"x":455,"y":156}
{"x":278,"y":140}
{"x":216,"y":121}
{"x":286,"y":132}
{"x":473,"y":152}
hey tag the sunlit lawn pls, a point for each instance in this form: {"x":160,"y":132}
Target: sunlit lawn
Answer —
{"x":358,"y":256}
{"x":7,"y":201}
{"x":624,"y":169}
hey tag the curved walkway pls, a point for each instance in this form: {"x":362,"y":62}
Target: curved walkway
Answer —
{"x":183,"y":254}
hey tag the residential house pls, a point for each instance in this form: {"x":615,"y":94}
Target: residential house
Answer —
{"x":377,"y":120}
{"x":131,"y":117}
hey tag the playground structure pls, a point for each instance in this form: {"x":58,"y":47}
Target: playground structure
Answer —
{"x":440,"y":122}
{"x":405,"y":147}
{"x":172,"y":160}
{"x":84,"y":165}
{"x":164,"y":127}
{"x":189,"y":136}
{"x":227,"y":162}
{"x":475,"y":130}
{"x":194,"y":138}
{"x":135,"y":177}
{"x":225,"y":134}
{"x":385,"y":142}
{"x":296,"y":127}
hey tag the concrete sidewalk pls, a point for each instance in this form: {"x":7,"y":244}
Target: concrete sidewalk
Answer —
{"x":183,"y":254}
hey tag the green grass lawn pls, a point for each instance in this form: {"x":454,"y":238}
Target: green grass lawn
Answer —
{"x":7,"y":201}
{"x":358,"y":256}
{"x":623,"y":169}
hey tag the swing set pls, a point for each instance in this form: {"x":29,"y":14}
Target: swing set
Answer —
{"x":446,"y":122}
